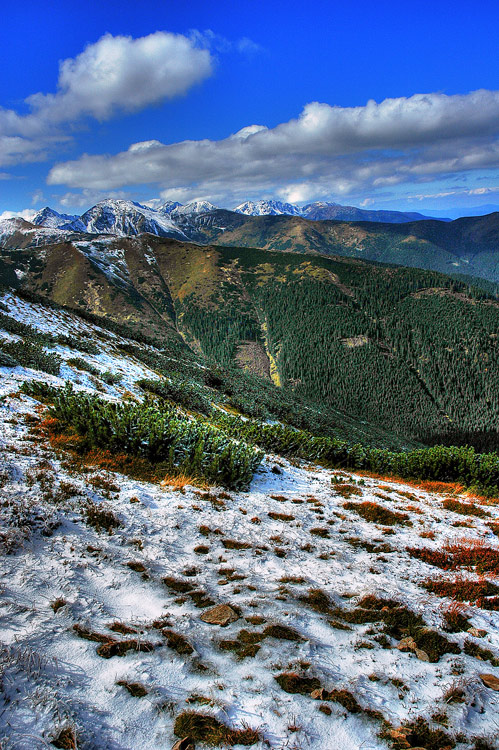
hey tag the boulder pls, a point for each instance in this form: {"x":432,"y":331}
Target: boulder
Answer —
{"x":407,"y":644}
{"x":319,"y":695}
{"x":490,"y":681}
{"x":422,"y":655}
{"x":222,"y":615}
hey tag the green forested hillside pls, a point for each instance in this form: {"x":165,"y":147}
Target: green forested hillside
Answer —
{"x":407,"y":351}
{"x":465,"y":246}
{"x":413,"y":350}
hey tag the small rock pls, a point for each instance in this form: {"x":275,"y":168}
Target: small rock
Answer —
{"x":185,"y":744}
{"x":276,"y":470}
{"x":490,"y":681}
{"x":325,"y":709}
{"x":422,"y":655}
{"x":221,"y":615}
{"x":477,"y":632}
{"x":407,"y":644}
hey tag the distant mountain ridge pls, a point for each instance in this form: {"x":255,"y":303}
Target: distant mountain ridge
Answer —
{"x":321,"y":210}
{"x":173,"y":219}
{"x":463,"y":247}
{"x":268,"y":208}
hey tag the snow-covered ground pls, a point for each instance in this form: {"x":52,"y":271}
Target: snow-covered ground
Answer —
{"x":52,"y":679}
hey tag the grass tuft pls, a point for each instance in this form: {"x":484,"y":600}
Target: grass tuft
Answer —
{"x":210,"y":731}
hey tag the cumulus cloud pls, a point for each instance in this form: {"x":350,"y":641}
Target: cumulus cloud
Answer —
{"x":89,"y":197}
{"x":115,"y":74}
{"x":121,"y":73}
{"x":25,"y":213}
{"x":327,"y":149}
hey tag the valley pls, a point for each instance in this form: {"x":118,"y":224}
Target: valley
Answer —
{"x":410,"y":351}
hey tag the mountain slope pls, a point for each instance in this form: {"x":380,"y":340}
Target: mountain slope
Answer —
{"x":111,"y":572}
{"x":267,"y":208}
{"x":468,"y":245}
{"x":47,"y":217}
{"x":411,"y":351}
{"x":465,"y":246}
{"x":125,"y":218}
{"x":319,"y":211}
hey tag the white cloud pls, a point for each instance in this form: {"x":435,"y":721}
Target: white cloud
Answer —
{"x":448,"y":193}
{"x":326,"y":150}
{"x":121,"y":73}
{"x":88,"y":198}
{"x":115,"y":74}
{"x":25,"y":213}
{"x":219,"y":43}
{"x":37,"y":197}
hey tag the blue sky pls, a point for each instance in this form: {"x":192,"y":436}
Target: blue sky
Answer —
{"x":379,"y":104}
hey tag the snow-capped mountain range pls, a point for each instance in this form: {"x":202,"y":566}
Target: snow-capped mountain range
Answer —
{"x":172,"y":219}
{"x":268,"y":208}
{"x":321,"y":210}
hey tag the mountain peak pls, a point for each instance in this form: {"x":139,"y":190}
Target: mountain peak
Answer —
{"x":48,"y":217}
{"x":267,"y":208}
{"x":168,"y":206}
{"x":194,"y":207}
{"x":128,"y":218}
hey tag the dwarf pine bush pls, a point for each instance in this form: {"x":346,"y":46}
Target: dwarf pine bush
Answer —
{"x":82,"y":364}
{"x":31,"y":354}
{"x":179,"y":390}
{"x":33,"y":335}
{"x":440,"y":463}
{"x":158,"y":434}
{"x":286,"y":441}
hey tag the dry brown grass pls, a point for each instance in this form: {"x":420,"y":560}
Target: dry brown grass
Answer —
{"x":375,"y":513}
{"x":347,"y":490}
{"x":294,"y":683}
{"x":467,"y":553}
{"x":464,"y":509}
{"x":208,"y":730}
{"x":65,"y":739}
{"x":461,"y":589}
{"x":177,"y":642}
{"x":136,"y":689}
{"x":445,"y":488}
{"x":455,"y":617}
{"x":235,"y":544}
{"x":427,"y":534}
{"x":281,"y":516}
{"x":180,"y":481}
